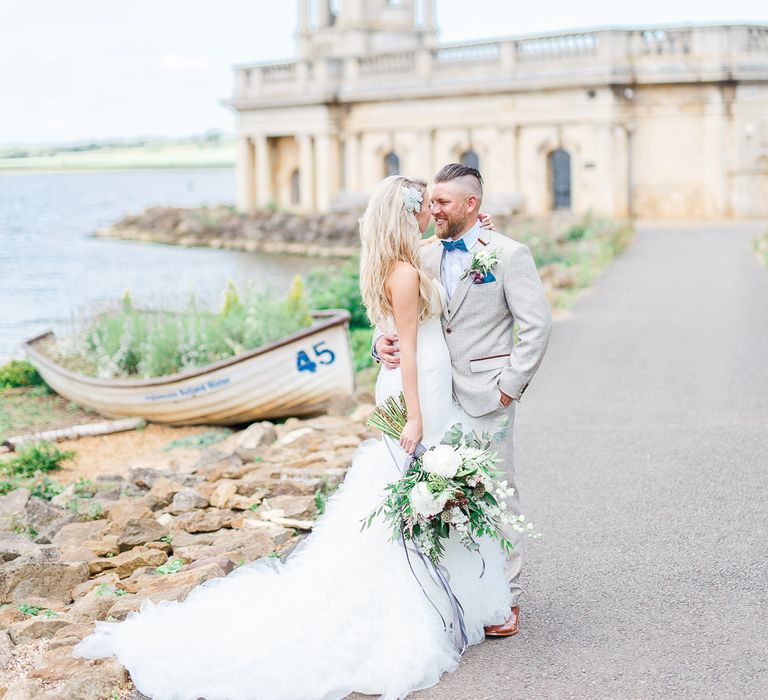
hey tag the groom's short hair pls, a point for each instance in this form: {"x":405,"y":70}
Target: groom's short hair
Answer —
{"x":471,"y":177}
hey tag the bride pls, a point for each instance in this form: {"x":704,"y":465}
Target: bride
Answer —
{"x":345,"y":612}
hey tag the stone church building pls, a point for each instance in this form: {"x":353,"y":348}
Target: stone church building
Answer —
{"x":668,"y":122}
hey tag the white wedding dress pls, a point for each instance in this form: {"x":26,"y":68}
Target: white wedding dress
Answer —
{"x":344,"y":613}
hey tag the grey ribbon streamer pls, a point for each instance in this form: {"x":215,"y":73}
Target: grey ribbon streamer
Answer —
{"x":438,"y":573}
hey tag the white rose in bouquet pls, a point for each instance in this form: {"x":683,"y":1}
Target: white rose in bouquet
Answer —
{"x":443,"y":460}
{"x":423,"y":501}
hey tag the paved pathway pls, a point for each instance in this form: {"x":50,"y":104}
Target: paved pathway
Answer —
{"x":642,"y":447}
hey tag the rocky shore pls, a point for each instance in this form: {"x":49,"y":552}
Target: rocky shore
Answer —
{"x":320,"y":235}
{"x":335,"y":234}
{"x":156,"y":529}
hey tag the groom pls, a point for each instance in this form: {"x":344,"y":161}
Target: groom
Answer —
{"x":490,"y":371}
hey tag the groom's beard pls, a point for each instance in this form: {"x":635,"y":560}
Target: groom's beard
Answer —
{"x":454,"y":227}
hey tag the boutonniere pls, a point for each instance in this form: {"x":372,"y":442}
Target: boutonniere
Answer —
{"x":482,"y":263}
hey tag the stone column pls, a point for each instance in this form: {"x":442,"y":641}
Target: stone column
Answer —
{"x":246,"y":200}
{"x":303,"y":34}
{"x":306,"y":173}
{"x":430,"y":32}
{"x":323,"y":13}
{"x":326,"y":170}
{"x":303,"y":16}
{"x":506,"y":170}
{"x":264,"y":191}
{"x":421,"y":162}
{"x":352,"y":163}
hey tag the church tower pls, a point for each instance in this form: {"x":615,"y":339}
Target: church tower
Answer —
{"x":344,"y":28}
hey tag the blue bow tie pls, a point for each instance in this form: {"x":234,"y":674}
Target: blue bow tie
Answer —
{"x":455,"y":245}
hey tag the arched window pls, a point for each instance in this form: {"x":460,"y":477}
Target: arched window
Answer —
{"x":471,"y":159}
{"x":391,"y":164}
{"x":559,"y":171}
{"x":295,"y":188}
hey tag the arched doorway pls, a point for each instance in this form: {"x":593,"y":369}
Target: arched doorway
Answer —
{"x":559,"y":171}
{"x":470,"y":159}
{"x":391,"y":164}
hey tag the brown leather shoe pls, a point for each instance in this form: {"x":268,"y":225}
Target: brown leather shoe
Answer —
{"x":507,"y":628}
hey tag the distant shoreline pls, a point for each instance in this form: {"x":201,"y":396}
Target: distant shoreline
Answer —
{"x":154,"y":155}
{"x":31,"y":170}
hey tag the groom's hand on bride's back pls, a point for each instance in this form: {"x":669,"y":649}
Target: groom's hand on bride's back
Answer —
{"x":388,"y":351}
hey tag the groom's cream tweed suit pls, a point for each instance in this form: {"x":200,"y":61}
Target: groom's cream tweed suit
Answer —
{"x":478,"y":323}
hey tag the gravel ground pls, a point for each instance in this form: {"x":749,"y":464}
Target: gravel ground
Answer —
{"x":642,"y":449}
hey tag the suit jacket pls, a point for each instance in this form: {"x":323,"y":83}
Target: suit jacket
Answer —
{"x":478,"y":323}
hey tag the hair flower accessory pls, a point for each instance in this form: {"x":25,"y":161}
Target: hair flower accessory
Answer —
{"x":412,"y":198}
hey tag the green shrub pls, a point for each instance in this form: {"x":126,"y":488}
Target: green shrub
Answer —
{"x":128,"y":341}
{"x":18,"y":373}
{"x":27,"y":469}
{"x":360,"y":341}
{"x":38,"y":457}
{"x":170,"y":567}
{"x":338,"y":287}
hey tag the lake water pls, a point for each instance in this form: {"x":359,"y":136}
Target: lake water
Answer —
{"x":51,"y":266}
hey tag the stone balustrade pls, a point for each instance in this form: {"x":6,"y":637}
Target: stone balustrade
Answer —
{"x":718,"y":52}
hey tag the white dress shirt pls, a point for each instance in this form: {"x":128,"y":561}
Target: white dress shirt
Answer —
{"x":455,"y":262}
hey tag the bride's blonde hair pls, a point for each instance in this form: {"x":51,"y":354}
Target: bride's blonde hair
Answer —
{"x":389,"y":233}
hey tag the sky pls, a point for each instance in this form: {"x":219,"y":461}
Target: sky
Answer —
{"x":78,"y":70}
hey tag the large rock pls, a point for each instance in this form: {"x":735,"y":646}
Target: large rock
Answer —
{"x":126,"y":509}
{"x":40,"y":514}
{"x":110,"y":578}
{"x":222,"y":493}
{"x":94,"y":605}
{"x":125,"y":563}
{"x":186,"y":501}
{"x":278,"y":533}
{"x":80,"y":679}
{"x":14,"y":545}
{"x":235,"y":544}
{"x":205,"y":520}
{"x":138,"y":531}
{"x":177,"y":586}
{"x":294,"y":487}
{"x":238,"y":502}
{"x":220,"y":466}
{"x":162,"y":492}
{"x":106,"y":544}
{"x":12,"y":507}
{"x":36,"y":627}
{"x":44,"y":582}
{"x":143,"y":477}
{"x":253,"y":485}
{"x":23,"y":689}
{"x":294,"y":507}
{"x":9,"y":616}
{"x":72,"y":535}
{"x":6,"y":646}
{"x":164,"y":587}
{"x":62,"y":499}
{"x":71,"y":634}
{"x":252,"y":441}
{"x":122,"y":606}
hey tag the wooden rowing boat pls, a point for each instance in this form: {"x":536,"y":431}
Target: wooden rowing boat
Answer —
{"x":296,"y":375}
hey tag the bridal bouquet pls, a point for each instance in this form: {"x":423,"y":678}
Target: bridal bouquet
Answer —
{"x":452,"y":485}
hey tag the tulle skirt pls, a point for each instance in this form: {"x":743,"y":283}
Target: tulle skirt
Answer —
{"x":344,"y":613}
